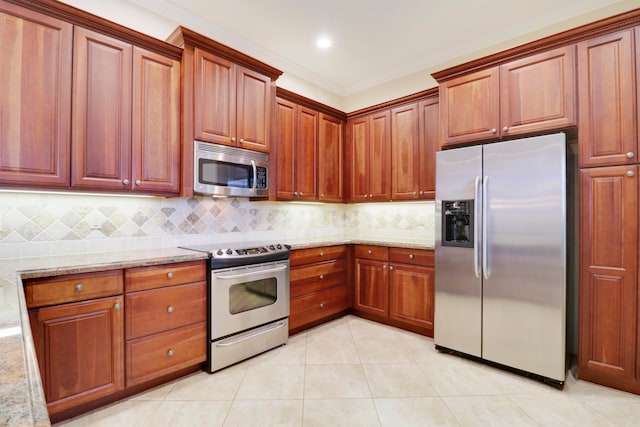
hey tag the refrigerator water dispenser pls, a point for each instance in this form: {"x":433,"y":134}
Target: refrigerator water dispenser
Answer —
{"x":457,"y":223}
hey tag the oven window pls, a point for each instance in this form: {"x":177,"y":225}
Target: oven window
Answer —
{"x":225,"y":174}
{"x":251,"y":295}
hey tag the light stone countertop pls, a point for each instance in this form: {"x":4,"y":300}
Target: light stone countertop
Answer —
{"x":22,"y":400}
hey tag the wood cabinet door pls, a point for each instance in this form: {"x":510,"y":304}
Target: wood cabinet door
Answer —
{"x":405,"y":143}
{"x":285,"y":149}
{"x":306,"y":151}
{"x":253,"y":113}
{"x":608,"y":274}
{"x":607,"y":87}
{"x":371,"y":286}
{"x":411,"y":295}
{"x":80,"y":349}
{"x":379,"y":168}
{"x":330,"y":151}
{"x":35,"y":97}
{"x":538,"y":92}
{"x":101,"y":139}
{"x":155,"y":152}
{"x":469,"y":107}
{"x":214,"y":99}
{"x":429,"y":121}
{"x":358,"y":158}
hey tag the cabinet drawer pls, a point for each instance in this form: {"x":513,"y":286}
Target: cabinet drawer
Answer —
{"x":74,"y":287}
{"x":317,"y":305}
{"x":160,"y":354}
{"x":412,"y":256}
{"x":317,"y":276}
{"x":308,"y":256}
{"x":380,"y":253}
{"x":156,"y":276}
{"x":158,"y":310}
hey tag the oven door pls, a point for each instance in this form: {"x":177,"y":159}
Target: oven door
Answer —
{"x":248,"y":296}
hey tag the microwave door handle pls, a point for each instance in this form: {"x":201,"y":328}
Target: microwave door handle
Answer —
{"x":255,"y":175}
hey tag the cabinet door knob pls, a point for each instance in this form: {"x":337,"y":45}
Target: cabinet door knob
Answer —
{"x":321,"y":276}
{"x":321,"y":305}
{"x":411,"y":256}
{"x":494,"y":131}
{"x":366,"y":195}
{"x":505,"y":129}
{"x":384,"y":267}
{"x":631,"y":173}
{"x":321,"y":253}
{"x":369,"y":252}
{"x":241,"y":139}
{"x":170,"y":275}
{"x":170,"y":353}
{"x":233,"y":139}
{"x":370,"y":195}
{"x":79,"y":287}
{"x":415,"y":193}
{"x":138,"y":182}
{"x":322,"y":195}
{"x":170,"y":309}
{"x":125,"y":181}
{"x":630,"y":155}
{"x":391,"y":267}
{"x":421,"y":193}
{"x":116,"y":306}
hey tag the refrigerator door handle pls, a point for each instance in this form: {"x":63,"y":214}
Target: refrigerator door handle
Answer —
{"x":485,"y":245}
{"x":476,"y":231}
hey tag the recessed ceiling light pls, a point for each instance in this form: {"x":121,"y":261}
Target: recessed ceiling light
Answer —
{"x":323,"y":42}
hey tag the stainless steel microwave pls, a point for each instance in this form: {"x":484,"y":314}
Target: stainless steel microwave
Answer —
{"x":219,"y":170}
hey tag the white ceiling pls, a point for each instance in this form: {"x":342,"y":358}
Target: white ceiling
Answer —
{"x":374,"y":41}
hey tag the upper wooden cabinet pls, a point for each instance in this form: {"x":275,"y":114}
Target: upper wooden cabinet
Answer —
{"x":296,"y":151}
{"x":429,"y":111}
{"x":232,"y":103}
{"x":330,"y":155}
{"x":528,"y":95}
{"x":126,"y":110}
{"x":369,"y":157}
{"x":607,"y":84}
{"x":35,"y":98}
{"x":227,"y":98}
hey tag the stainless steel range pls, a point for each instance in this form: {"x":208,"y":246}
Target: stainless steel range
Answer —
{"x":248,"y":301}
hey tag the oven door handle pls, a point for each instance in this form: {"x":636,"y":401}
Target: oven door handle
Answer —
{"x":227,"y":343}
{"x":253,"y":273}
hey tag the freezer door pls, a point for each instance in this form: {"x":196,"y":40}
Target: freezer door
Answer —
{"x":458,"y":303}
{"x":524,"y":287}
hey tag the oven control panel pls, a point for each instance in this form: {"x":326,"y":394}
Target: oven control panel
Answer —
{"x":242,"y":252}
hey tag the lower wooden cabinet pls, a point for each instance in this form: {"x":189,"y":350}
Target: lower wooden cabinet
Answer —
{"x":319,"y":288}
{"x":395,"y":286}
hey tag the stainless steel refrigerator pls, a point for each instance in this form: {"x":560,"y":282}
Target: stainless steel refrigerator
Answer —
{"x":501,"y":253}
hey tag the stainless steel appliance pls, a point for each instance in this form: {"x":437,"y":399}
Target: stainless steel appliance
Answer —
{"x":219,"y":170}
{"x":248,"y":301}
{"x":501,"y":253}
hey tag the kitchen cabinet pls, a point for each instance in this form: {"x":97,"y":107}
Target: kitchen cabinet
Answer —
{"x":607,"y":81}
{"x":35,"y":102}
{"x":125,"y":116}
{"x":78,"y":327}
{"x":405,"y":143}
{"x":395,"y":286}
{"x":330,"y":155}
{"x":522,"y":96}
{"x":232,"y":103}
{"x":608,"y":334}
{"x":319,"y":288}
{"x":369,"y":157}
{"x":429,"y":121}
{"x":296,"y":152}
{"x":165,"y":319}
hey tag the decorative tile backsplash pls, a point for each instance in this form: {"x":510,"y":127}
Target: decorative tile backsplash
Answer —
{"x":37,"y":224}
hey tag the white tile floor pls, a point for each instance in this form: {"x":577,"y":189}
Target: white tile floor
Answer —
{"x":352,"y":372}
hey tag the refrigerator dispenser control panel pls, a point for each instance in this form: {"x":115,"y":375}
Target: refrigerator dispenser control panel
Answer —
{"x":457,"y":223}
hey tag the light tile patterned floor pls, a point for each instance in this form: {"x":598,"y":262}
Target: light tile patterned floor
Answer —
{"x":353,"y":372}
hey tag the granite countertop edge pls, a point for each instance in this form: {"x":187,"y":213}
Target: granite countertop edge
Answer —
{"x":27,"y":385}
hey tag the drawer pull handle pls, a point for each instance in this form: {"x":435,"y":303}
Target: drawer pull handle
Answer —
{"x":321,"y":276}
{"x":369,"y":252}
{"x":170,"y":275}
{"x":116,"y":306}
{"x":79,"y":287}
{"x":321,"y":305}
{"x":170,"y":353}
{"x":411,"y":256}
{"x":321,"y":253}
{"x":170,"y":309}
